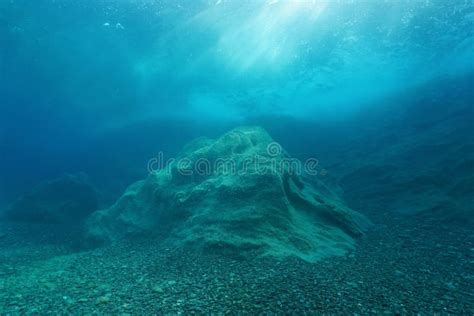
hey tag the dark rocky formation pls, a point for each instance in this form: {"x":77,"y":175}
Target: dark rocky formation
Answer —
{"x":65,"y":200}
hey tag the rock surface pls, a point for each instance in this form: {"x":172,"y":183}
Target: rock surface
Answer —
{"x":234,"y":194}
{"x":69,"y":199}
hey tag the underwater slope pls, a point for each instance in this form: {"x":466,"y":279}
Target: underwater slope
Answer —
{"x":250,"y":200}
{"x":416,"y":156}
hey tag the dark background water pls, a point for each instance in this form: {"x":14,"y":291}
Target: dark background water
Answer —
{"x":103,"y":86}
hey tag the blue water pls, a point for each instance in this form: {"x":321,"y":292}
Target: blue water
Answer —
{"x":380,"y":92}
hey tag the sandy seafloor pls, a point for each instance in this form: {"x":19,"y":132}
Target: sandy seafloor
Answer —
{"x":402,"y":266}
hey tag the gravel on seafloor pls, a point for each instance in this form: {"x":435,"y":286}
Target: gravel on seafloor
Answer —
{"x":402,"y":266}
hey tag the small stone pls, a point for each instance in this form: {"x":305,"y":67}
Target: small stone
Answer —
{"x":103,"y":300}
{"x":447,"y":298}
{"x":158,"y":289}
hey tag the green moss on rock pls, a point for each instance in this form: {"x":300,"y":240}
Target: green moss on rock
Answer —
{"x":276,"y":212}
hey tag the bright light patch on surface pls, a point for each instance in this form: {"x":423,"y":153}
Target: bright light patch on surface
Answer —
{"x":301,"y":57}
{"x":266,"y":35}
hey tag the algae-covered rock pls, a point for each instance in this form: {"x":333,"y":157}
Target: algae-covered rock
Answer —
{"x":239,"y":192}
{"x":68,"y":199}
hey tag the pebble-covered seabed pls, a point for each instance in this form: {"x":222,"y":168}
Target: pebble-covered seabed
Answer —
{"x":402,"y":266}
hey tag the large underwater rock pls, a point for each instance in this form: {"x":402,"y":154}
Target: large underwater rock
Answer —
{"x":69,"y":199}
{"x":251,"y":200}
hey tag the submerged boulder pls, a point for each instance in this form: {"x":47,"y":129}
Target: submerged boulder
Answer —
{"x":239,"y":192}
{"x":65,"y":200}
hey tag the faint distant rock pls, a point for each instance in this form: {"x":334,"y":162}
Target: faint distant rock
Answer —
{"x":419,"y":162}
{"x":68,"y":199}
{"x":277,"y":212}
